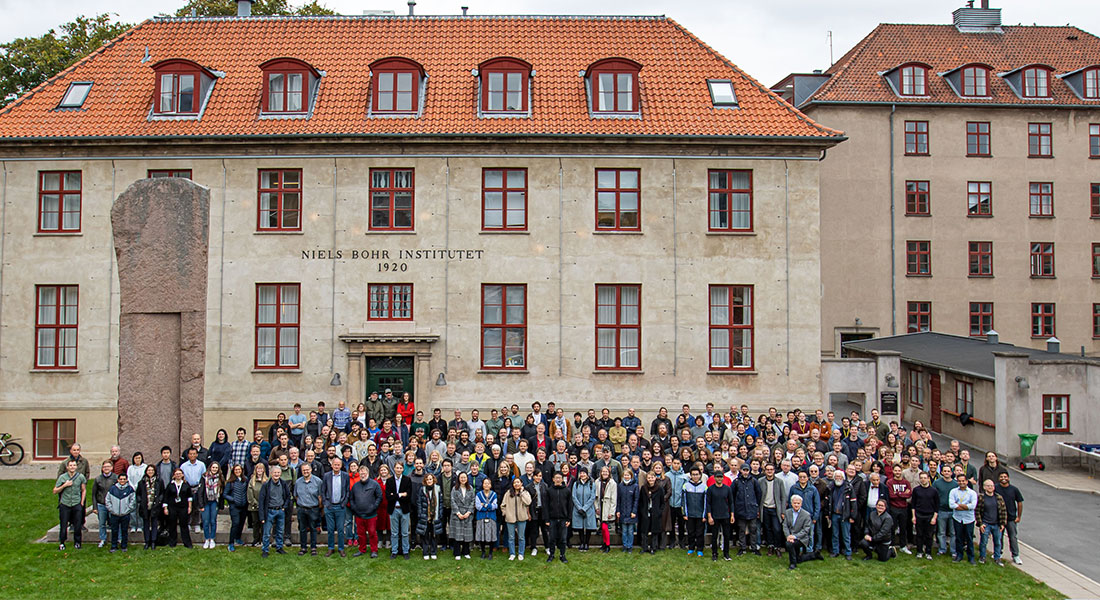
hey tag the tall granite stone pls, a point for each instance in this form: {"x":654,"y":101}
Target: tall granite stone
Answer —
{"x":161,"y":234}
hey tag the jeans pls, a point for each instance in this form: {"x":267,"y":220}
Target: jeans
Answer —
{"x":747,"y":529}
{"x":334,"y":519}
{"x":70,"y":516}
{"x":367,"y":531}
{"x":628,"y":535}
{"x":995,"y":532}
{"x":309,"y":519}
{"x":519,"y":528}
{"x":773,"y":529}
{"x":350,"y":533}
{"x":236,"y":523}
{"x":842,"y":535}
{"x":945,"y":532}
{"x":1013,"y":538}
{"x":819,"y":527}
{"x":120,"y":530}
{"x":399,"y":532}
{"x":274,"y":522}
{"x":210,"y":520}
{"x":150,"y":527}
{"x":104,"y":521}
{"x":964,"y":539}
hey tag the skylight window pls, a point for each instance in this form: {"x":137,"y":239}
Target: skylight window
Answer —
{"x":76,"y":94}
{"x":721,"y":92}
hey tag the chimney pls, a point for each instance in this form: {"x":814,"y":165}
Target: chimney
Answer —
{"x":412,"y":7}
{"x":244,"y":8}
{"x":977,"y":20}
{"x":992,"y":337}
{"x":464,"y":9}
{"x":985,"y":4}
{"x":1054,"y":345}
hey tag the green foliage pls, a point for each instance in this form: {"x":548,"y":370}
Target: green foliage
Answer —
{"x":226,"y":8}
{"x":28,"y":62}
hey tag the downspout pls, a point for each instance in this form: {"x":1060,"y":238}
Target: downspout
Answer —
{"x":3,"y":230}
{"x":221,"y":275}
{"x":893,"y":236}
{"x":111,"y":275}
{"x":787,"y":258}
{"x":447,"y":263}
{"x":675,"y":278}
{"x":561,"y":259}
{"x":332,"y":331}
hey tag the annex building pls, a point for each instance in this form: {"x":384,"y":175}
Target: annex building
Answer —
{"x":600,"y":211}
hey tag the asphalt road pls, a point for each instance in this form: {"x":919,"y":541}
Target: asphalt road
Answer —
{"x":1063,"y":525}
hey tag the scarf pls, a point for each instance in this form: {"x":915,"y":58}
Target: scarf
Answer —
{"x":150,"y":492}
{"x":432,"y":501}
{"x":211,"y":488}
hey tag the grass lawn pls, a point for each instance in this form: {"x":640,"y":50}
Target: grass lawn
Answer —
{"x":32,"y":570}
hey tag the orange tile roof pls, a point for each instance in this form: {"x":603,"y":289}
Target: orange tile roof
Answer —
{"x":856,"y":78}
{"x":674,"y":98}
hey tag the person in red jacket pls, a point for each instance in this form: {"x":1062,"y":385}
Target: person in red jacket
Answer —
{"x":900,"y":492}
{"x":406,"y":409}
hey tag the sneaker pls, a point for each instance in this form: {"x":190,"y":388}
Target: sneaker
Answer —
{"x":434,"y":557}
{"x":700,"y":554}
{"x":232,"y":548}
{"x":928,"y":556}
{"x":981,"y":561}
{"x":690,"y":552}
{"x":466,"y":556}
{"x":197,"y":529}
{"x":534,"y":551}
{"x":520,"y":557}
{"x":113,"y":550}
{"x":458,"y":558}
{"x":102,"y":543}
{"x":726,"y":558}
{"x":550,"y":558}
{"x":280,"y":551}
{"x":1000,"y":563}
{"x":427,"y":557}
{"x":374,"y":555}
{"x":76,"y":546}
{"x":1016,"y":559}
{"x":920,"y":555}
{"x":511,"y":557}
{"x":564,"y":560}
{"x":906,"y":550}
{"x":61,"y":546}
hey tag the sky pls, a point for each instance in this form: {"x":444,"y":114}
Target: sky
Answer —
{"x":765,"y":38}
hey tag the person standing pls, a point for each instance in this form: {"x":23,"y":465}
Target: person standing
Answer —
{"x":176,"y":501}
{"x":236,"y":494}
{"x":607,"y":504}
{"x":134,"y":473}
{"x":149,"y":492}
{"x":208,"y":498}
{"x":100,"y":486}
{"x":193,"y":470}
{"x":462,"y":515}
{"x":962,"y":501}
{"x":945,"y":524}
{"x":991,"y":515}
{"x":842,"y":510}
{"x":651,"y":510}
{"x":694,"y":499}
{"x":486,"y":503}
{"x":256,"y":482}
{"x":365,"y":498}
{"x":627,"y":509}
{"x":429,"y":507}
{"x":1014,"y":506}
{"x":746,"y":510}
{"x":899,"y":491}
{"x":336,"y":486}
{"x":584,"y":508}
{"x":274,"y":504}
{"x":308,"y":490}
{"x":926,"y":502}
{"x":559,"y":509}
{"x":773,"y":498}
{"x":71,"y":488}
{"x":121,"y":502}
{"x":798,"y":530}
{"x":515,"y":507}
{"x":720,"y":517}
{"x":399,"y":500}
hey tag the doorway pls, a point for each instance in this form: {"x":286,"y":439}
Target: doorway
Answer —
{"x":390,"y":372}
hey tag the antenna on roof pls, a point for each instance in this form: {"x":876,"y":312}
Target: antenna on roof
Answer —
{"x":412,"y":6}
{"x":829,"y":37}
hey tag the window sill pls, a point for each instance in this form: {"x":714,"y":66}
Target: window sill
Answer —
{"x":990,"y":216}
{"x":618,"y":372}
{"x":732,"y":233}
{"x":504,"y":232}
{"x":496,"y":371}
{"x":389,"y":232}
{"x":1057,"y":433}
{"x":58,"y":234}
{"x":979,"y":156}
{"x":613,"y":232}
{"x":979,"y":277}
{"x":918,"y":214}
{"x":1043,"y":277}
{"x":731,"y":372}
{"x":1042,"y":337}
{"x":918,"y":275}
{"x":1040,"y":156}
{"x":287,"y":232}
{"x":276,"y":370}
{"x":1040,"y":216}
{"x":62,"y":371}
{"x":917,"y":154}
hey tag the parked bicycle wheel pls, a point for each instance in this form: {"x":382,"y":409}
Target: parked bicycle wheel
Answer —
{"x":12,"y":454}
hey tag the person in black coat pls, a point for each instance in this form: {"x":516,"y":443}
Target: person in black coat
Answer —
{"x":275,"y":501}
{"x":399,"y":503}
{"x":866,"y":508}
{"x":879,"y":534}
{"x":176,"y":502}
{"x":720,"y":516}
{"x":149,"y":503}
{"x":651,"y":512}
{"x":365,"y":499}
{"x":538,"y":490}
{"x":559,"y":510}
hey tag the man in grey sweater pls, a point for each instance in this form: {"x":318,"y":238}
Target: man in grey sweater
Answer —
{"x":307,"y":492}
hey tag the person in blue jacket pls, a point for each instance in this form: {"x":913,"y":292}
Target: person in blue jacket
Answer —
{"x":584,"y":508}
{"x":695,"y":510}
{"x":627,"y":512}
{"x":746,"y":510}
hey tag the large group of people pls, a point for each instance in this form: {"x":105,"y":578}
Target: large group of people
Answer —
{"x":381,"y":476}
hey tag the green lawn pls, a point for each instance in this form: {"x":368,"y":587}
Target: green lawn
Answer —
{"x":32,"y":570}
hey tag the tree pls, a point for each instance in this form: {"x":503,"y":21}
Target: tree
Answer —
{"x":27,"y":62}
{"x":225,"y":8}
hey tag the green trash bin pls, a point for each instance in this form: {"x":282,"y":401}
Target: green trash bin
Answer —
{"x":1027,"y":445}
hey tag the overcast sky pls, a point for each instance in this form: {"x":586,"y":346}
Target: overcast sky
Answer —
{"x":766,"y":38}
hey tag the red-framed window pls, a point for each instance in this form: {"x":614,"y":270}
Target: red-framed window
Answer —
{"x":1055,"y":413}
{"x":1042,"y":319}
{"x":178,"y":87}
{"x":1042,"y":259}
{"x":159,"y":173}
{"x":395,"y":86}
{"x":504,"y":326}
{"x":916,"y":138}
{"x":390,"y":302}
{"x":1094,"y":141}
{"x":1036,"y":82}
{"x":918,"y":316}
{"x":618,"y":326}
{"x":1094,"y":200}
{"x":731,"y":327}
{"x":980,"y":259}
{"x":286,"y":86}
{"x":729,"y":200}
{"x":59,"y":200}
{"x":917,"y":198}
{"x":979,"y":198}
{"x":1041,"y":199}
{"x":914,"y":80}
{"x":504,"y":199}
{"x":618,"y":199}
{"x":278,"y":316}
{"x":391,"y":199}
{"x":504,"y":85}
{"x":917,"y":385}
{"x":978,"y":139}
{"x":1095,"y":260}
{"x":1039,"y":140}
{"x":981,"y":318}
{"x":614,"y":86}
{"x":1092,"y":83}
{"x":964,"y":397}
{"x":53,"y":438}
{"x":55,"y":326}
{"x":1096,"y":320}
{"x":280,"y":206}
{"x":918,"y":258}
{"x":975,"y":82}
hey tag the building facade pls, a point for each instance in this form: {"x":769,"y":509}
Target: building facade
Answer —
{"x":551,"y":209}
{"x":968,"y":198}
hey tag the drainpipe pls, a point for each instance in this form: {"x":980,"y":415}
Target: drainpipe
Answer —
{"x":332,"y":331}
{"x":446,"y":263}
{"x":111,"y":275}
{"x":561,"y":259}
{"x":787,"y":259}
{"x":893,"y":236}
{"x":3,"y":214}
{"x":221,"y":275}
{"x":675,"y":279}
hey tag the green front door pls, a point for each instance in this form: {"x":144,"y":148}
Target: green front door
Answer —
{"x":392,"y":372}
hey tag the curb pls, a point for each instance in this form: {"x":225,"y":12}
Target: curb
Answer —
{"x":1062,"y":565}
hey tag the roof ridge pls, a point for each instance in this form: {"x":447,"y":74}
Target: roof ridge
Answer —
{"x":843,"y":64}
{"x":775,"y":97}
{"x":546,"y":17}
{"x":109,"y":43}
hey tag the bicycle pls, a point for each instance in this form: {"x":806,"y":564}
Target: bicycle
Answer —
{"x":11,"y":453}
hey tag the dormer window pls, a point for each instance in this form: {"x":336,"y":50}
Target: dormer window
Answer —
{"x":1036,"y":82}
{"x":181,"y":88}
{"x":914,"y":80}
{"x":975,"y":82}
{"x":1092,"y":83}
{"x":504,"y":85}
{"x":613,"y":83}
{"x":76,"y":94}
{"x":288,"y":86}
{"x":396,"y":86}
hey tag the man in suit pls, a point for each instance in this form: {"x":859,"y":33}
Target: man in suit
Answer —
{"x":797,"y":528}
{"x":336,"y":489}
{"x":177,"y":507}
{"x":399,"y":500}
{"x":274,"y":503}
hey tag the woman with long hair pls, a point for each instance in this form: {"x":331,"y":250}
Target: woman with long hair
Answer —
{"x":236,"y":493}
{"x":149,"y":504}
{"x":257,"y":481}
{"x":486,"y":503}
{"x":210,"y":490}
{"x":463,"y":505}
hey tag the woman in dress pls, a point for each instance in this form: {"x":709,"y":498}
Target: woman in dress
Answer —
{"x":486,"y":504}
{"x":584,"y":508}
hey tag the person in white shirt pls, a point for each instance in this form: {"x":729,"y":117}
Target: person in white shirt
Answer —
{"x":522,"y":457}
{"x":786,"y":475}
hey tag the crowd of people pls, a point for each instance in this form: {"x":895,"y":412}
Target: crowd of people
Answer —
{"x":381,"y":476}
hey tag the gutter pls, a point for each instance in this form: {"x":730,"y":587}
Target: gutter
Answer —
{"x":893,"y":237}
{"x":406,"y":156}
{"x":826,"y":139}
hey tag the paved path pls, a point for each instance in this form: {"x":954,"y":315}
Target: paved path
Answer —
{"x":1057,"y":575}
{"x":1061,"y":524}
{"x":28,"y":471}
